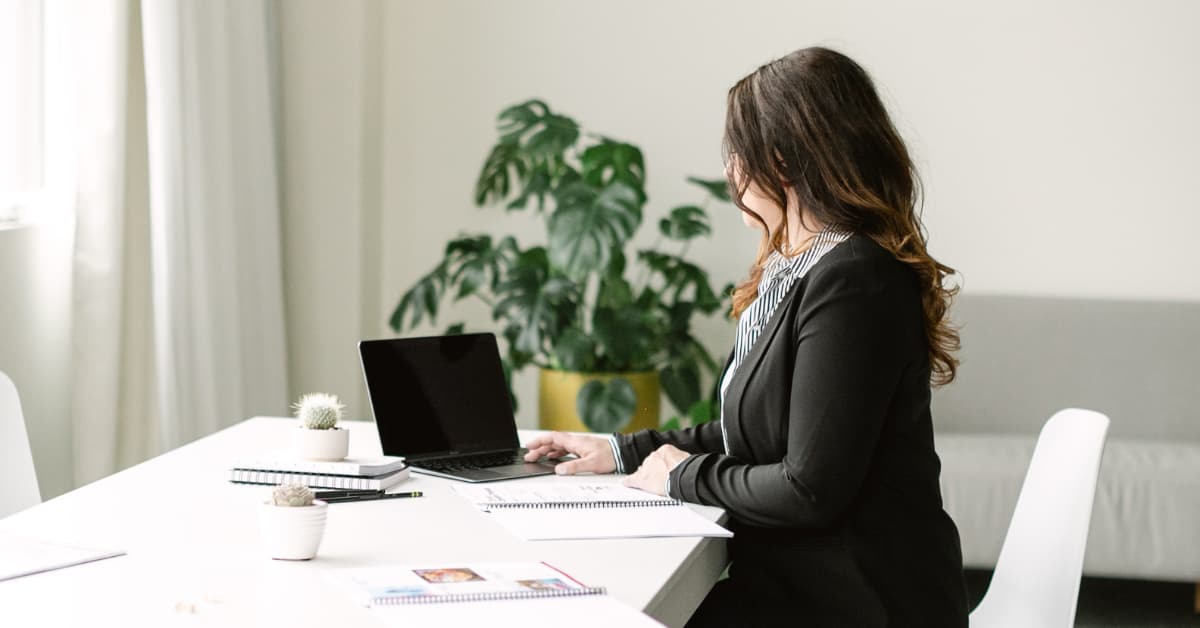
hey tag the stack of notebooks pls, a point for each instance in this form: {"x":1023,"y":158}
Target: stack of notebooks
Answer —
{"x":371,"y":474}
{"x":478,"y":594}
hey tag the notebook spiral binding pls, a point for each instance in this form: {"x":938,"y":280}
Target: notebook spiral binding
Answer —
{"x":487,"y":597}
{"x":601,"y":504}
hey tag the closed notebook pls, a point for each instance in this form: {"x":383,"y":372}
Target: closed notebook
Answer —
{"x":283,"y":461}
{"x":320,"y":480}
{"x":482,"y":593}
{"x":560,"y":511}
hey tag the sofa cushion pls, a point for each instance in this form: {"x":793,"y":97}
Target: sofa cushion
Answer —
{"x":1145,"y":518}
{"x":1025,"y":358}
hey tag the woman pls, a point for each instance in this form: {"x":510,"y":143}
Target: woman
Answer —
{"x":823,"y":456}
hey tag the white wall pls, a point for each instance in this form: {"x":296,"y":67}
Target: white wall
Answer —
{"x":330,"y":189}
{"x":1056,"y":140}
{"x":35,"y":341}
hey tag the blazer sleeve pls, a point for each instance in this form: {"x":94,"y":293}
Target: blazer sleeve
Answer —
{"x":850,"y":355}
{"x":632,"y":449}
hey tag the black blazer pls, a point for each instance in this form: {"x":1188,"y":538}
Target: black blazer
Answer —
{"x":831,"y":480}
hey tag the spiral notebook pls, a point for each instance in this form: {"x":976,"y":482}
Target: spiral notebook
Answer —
{"x":492,"y":594}
{"x":320,"y":480}
{"x":285,"y":461}
{"x":560,"y":511}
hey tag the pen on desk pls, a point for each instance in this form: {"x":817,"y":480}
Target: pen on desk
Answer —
{"x":363,"y":498}
{"x":346,"y":493}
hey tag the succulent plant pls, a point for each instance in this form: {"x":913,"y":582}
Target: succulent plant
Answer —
{"x":319,"y":411}
{"x":292,"y":495}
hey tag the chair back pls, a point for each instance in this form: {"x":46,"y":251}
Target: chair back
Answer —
{"x":1036,"y":581}
{"x":18,"y":480}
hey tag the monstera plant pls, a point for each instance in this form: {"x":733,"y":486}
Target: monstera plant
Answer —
{"x":583,"y":303}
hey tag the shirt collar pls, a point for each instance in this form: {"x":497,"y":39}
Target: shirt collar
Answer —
{"x":777,"y":263}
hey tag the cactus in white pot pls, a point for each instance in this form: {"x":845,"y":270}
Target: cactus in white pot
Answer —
{"x":292,"y":496}
{"x":318,"y":437}
{"x":292,"y":522}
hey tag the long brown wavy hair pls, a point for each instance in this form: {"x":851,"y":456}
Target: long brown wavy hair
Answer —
{"x":813,"y":122}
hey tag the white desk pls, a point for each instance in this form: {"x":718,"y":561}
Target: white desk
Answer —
{"x":193,"y":542}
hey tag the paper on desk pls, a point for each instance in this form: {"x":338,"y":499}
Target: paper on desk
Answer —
{"x":22,"y":556}
{"x":550,"y":511}
{"x":553,"y":494}
{"x":605,"y":523}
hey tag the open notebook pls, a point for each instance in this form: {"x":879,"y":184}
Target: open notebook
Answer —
{"x":491,"y":594}
{"x":552,"y":511}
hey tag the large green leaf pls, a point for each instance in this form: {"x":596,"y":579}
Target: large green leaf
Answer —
{"x":704,"y":411}
{"x":685,"y":223}
{"x":611,"y":161}
{"x":681,"y":383}
{"x":516,"y":358}
{"x":536,"y":185}
{"x":678,"y":276}
{"x":556,"y":135}
{"x":574,"y":351}
{"x":508,"y":371}
{"x":588,"y":225}
{"x":681,"y":345}
{"x":614,"y":293}
{"x":616,"y":264}
{"x":421,"y":300}
{"x":530,"y":156}
{"x":536,"y":304}
{"x":606,"y":407}
{"x":515,"y":121}
{"x":504,"y":160}
{"x":719,"y":188}
{"x":475,"y":263}
{"x":628,"y":338}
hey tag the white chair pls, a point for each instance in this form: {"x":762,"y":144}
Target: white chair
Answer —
{"x":1036,"y":581}
{"x":18,"y":480}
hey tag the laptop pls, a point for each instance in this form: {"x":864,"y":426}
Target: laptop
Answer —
{"x":441,"y":402}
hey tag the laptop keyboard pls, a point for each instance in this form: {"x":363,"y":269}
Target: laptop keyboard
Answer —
{"x":481,"y":461}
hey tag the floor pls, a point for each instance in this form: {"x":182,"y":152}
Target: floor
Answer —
{"x":1109,"y":603}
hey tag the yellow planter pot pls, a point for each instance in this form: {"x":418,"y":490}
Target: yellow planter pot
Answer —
{"x":557,"y":391}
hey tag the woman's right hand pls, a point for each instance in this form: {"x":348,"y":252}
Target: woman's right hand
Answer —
{"x":594,"y":453}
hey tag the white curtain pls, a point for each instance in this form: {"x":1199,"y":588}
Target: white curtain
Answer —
{"x":113,"y":400}
{"x":218,"y":279}
{"x":178,"y":305}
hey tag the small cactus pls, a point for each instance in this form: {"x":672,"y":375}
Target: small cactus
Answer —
{"x":292,"y":495}
{"x":319,"y":411}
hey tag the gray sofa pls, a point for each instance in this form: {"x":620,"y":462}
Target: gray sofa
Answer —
{"x":1023,"y":359}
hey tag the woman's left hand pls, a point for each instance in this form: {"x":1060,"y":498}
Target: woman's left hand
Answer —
{"x":652,"y":475}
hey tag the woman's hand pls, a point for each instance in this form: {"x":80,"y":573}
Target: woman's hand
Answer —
{"x":595,"y":454}
{"x":652,"y":475}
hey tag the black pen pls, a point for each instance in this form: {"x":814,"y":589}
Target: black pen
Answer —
{"x":373,"y":496}
{"x":347,"y":493}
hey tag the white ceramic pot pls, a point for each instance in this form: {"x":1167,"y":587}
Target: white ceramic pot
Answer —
{"x":292,"y":532}
{"x":331,"y":444}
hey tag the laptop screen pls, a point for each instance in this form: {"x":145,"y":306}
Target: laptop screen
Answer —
{"x":438,"y":395}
